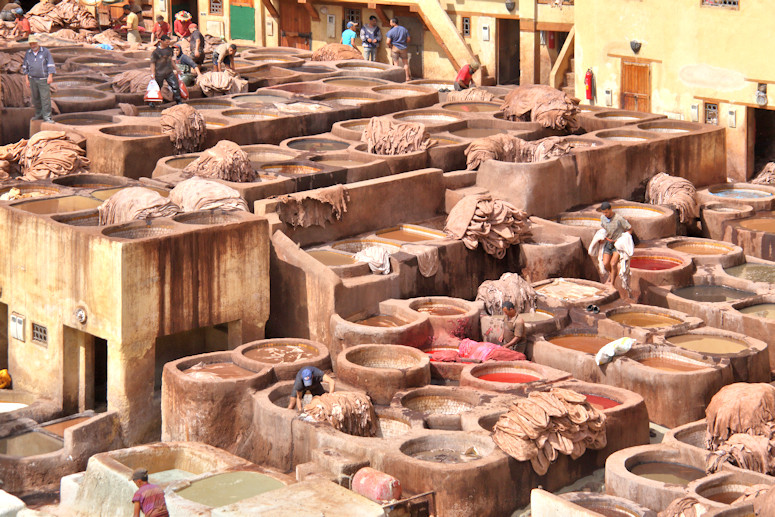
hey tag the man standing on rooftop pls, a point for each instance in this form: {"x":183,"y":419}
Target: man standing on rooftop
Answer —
{"x":38,"y":69}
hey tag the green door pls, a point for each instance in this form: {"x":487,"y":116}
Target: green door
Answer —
{"x":243,"y":22}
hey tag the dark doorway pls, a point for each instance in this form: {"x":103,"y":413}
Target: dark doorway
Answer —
{"x":764,"y":145}
{"x":84,"y":372}
{"x":508,"y":51}
{"x":184,"y":344}
{"x":295,"y":25}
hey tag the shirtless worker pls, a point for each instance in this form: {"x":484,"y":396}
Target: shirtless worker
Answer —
{"x":614,"y":225}
{"x":309,"y":379}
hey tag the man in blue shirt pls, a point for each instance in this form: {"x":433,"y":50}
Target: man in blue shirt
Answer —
{"x":349,"y":34}
{"x":38,"y":68}
{"x":397,"y":40}
{"x":309,"y":379}
{"x":371,"y":36}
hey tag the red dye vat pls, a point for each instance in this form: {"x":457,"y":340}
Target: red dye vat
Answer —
{"x":601,"y":403}
{"x":652,"y":263}
{"x":511,"y":378}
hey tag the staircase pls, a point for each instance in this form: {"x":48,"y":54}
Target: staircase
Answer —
{"x":569,"y":82}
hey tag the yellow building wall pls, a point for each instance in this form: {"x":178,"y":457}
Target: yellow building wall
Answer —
{"x":698,"y":52}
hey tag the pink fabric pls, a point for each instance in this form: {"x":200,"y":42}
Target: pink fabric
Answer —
{"x":471,"y":349}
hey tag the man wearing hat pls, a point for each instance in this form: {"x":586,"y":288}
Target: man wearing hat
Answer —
{"x":149,"y":497}
{"x":21,"y":29}
{"x":38,"y":69}
{"x":132,"y":25}
{"x":349,"y":34}
{"x":465,"y":79}
{"x":309,"y":379}
{"x":182,"y":25}
{"x":614,"y":225}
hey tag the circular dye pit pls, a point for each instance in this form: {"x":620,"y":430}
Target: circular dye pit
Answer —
{"x":290,"y":169}
{"x":318,"y":145}
{"x":579,"y":220}
{"x":74,"y":98}
{"x":303,"y":107}
{"x":669,"y":473}
{"x":567,"y":290}
{"x":383,"y":320}
{"x":653,"y":263}
{"x":230,"y":487}
{"x":761,"y":310}
{"x":248,"y":114}
{"x":440,"y":309}
{"x":84,"y":120}
{"x":389,"y":357}
{"x":623,"y":138}
{"x":407,"y":233}
{"x":664,"y":129}
{"x":472,"y":107}
{"x":357,"y":83}
{"x":356,"y":245}
{"x":209,"y":105}
{"x":508,"y":377}
{"x":129,"y":131}
{"x":640,"y":212}
{"x":740,"y":193}
{"x":601,"y":403}
{"x":276,"y":353}
{"x":258,"y":98}
{"x":349,"y":100}
{"x":478,"y":132}
{"x":667,"y":364}
{"x":699,"y":248}
{"x":644,"y":319}
{"x":339,"y":163}
{"x":217,"y":371}
{"x":427,"y":118}
{"x":206,"y":217}
{"x":391,"y":427}
{"x":724,"y":494}
{"x":138,"y":232}
{"x":759,"y":224}
{"x":180,"y":163}
{"x":397,"y":92}
{"x":437,"y":404}
{"x":708,"y":343}
{"x":711,"y":293}
{"x":311,"y":69}
{"x":446,"y":449}
{"x":534,"y":317}
{"x":753,"y":272}
{"x":355,"y":126}
{"x":332,"y":258}
{"x":614,"y":115}
{"x":587,"y":343}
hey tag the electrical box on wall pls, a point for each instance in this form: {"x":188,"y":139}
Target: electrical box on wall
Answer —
{"x":609,"y":97}
{"x":331,"y":26}
{"x":732,"y":118}
{"x":485,"y":33}
{"x":269,"y":28}
{"x":17,"y":327}
{"x":695,"y":112}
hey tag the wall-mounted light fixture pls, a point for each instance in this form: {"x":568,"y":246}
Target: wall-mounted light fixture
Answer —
{"x":761,"y":94}
{"x":635,"y":46}
{"x":511,"y":5}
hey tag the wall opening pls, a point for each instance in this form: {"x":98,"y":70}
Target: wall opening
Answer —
{"x":764,"y":145}
{"x":84,"y":371}
{"x":191,"y":342}
{"x":508,"y":51}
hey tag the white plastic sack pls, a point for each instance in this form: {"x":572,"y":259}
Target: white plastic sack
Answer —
{"x":617,"y":347}
{"x":153,"y":92}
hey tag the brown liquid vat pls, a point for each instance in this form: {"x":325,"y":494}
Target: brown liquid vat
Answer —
{"x":285,"y":356}
{"x":58,"y":205}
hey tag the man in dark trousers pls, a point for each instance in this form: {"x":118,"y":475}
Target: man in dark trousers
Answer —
{"x":196,"y":44}
{"x":163,"y":67}
{"x":309,"y":379}
{"x":38,"y":68}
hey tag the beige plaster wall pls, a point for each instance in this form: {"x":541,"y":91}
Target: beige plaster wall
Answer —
{"x":698,"y":53}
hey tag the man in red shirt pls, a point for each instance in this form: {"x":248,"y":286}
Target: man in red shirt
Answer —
{"x":22,"y":29}
{"x":149,"y":498}
{"x":160,"y":28}
{"x":465,"y":78}
{"x":182,"y":23}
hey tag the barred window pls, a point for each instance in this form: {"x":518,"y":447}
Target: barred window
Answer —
{"x":722,"y":3}
{"x":216,"y":6}
{"x":466,"y":26}
{"x":39,"y":333}
{"x":711,"y":113}
{"x":352,"y":15}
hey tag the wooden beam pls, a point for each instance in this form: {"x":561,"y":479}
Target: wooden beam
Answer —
{"x":634,"y":59}
{"x":382,"y":16}
{"x":414,"y":8}
{"x":270,"y":7}
{"x":439,"y":40}
{"x":551,"y":26}
{"x":313,"y":13}
{"x":371,"y":5}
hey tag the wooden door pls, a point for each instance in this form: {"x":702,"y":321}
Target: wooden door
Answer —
{"x":508,"y":51}
{"x":636,"y":86}
{"x":295,"y":27}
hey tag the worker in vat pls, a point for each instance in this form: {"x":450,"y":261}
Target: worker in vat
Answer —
{"x":509,"y":330}
{"x":38,"y":69}
{"x":21,"y":29}
{"x":614,"y":225}
{"x":309,"y":379}
{"x":149,"y":498}
{"x":465,"y":77}
{"x":163,"y":67}
{"x":223,"y":57}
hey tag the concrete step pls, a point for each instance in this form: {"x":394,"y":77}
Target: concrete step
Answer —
{"x":570,"y":78}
